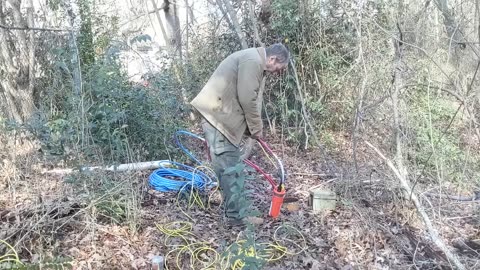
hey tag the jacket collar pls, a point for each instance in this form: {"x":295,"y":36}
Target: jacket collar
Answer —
{"x":263,"y":55}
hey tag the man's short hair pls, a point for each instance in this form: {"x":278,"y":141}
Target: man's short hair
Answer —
{"x":279,"y":51}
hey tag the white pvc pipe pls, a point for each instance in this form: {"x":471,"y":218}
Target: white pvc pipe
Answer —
{"x":147,"y":165}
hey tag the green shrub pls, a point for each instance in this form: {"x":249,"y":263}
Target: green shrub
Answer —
{"x":112,"y":118}
{"x":434,"y":144}
{"x":109,"y":197}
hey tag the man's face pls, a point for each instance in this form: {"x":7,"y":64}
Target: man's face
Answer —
{"x":273,"y":66}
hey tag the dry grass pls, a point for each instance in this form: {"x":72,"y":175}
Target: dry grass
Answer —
{"x":107,"y":220}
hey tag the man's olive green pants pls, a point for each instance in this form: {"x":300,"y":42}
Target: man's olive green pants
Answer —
{"x":229,"y":169}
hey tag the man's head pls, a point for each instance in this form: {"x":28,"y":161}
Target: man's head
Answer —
{"x":277,"y":58}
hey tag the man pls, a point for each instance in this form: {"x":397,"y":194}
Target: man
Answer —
{"x":229,"y":107}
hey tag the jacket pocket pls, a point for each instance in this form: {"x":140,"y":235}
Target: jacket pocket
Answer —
{"x":217,"y":143}
{"x":222,"y":145}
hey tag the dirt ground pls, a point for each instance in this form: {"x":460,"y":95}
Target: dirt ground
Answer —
{"x":372,"y":227}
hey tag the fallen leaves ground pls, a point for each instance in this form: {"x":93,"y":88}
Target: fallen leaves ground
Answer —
{"x":372,"y":227}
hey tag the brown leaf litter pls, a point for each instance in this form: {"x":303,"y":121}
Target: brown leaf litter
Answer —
{"x":372,"y":228}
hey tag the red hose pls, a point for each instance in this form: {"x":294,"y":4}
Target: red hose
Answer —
{"x":258,"y":169}
{"x":251,"y":164}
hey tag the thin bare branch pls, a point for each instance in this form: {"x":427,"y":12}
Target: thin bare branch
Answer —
{"x":160,"y":23}
{"x":233,"y":17}
{"x":333,"y":169}
{"x":426,"y":220}
{"x":27,"y":28}
{"x":254,"y":23}
{"x":225,"y":15}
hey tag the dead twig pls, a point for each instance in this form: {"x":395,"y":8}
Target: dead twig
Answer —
{"x":254,"y":23}
{"x":310,"y":174}
{"x":428,"y":223}
{"x":46,"y":29}
{"x":308,"y":124}
{"x":455,"y":198}
{"x":322,"y":184}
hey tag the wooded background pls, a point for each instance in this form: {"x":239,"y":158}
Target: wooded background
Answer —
{"x":101,"y":82}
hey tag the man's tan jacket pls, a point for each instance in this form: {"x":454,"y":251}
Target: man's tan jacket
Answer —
{"x":229,"y":99}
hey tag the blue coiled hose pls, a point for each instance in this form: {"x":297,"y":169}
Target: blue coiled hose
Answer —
{"x":184,"y":149}
{"x":175,"y":176}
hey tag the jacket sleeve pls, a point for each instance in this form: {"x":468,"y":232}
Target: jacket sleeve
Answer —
{"x":248,"y":83}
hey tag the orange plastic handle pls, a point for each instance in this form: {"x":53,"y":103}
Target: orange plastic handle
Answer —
{"x":277,"y":201}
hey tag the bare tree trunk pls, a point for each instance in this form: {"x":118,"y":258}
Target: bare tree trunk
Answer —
{"x":74,"y":14}
{"x":453,"y":30}
{"x":220,"y":6}
{"x":19,"y":76}
{"x":75,"y":24}
{"x":187,"y":27}
{"x":448,"y":20}
{"x":173,"y":38}
{"x":173,"y":26}
{"x":398,"y":69}
{"x":6,"y":85}
{"x":359,"y":103}
{"x":254,"y":23}
{"x":477,"y":16}
{"x":266,"y":11}
{"x":160,"y":22}
{"x":233,"y":17}
{"x":476,"y":22}
{"x":31,"y":48}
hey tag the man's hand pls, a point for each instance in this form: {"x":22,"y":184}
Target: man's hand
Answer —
{"x":258,"y":135}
